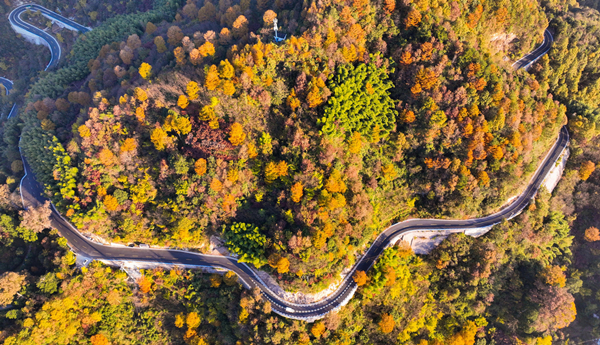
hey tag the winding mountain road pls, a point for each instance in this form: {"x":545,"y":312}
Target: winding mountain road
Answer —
{"x":50,"y":41}
{"x":8,"y":86}
{"x":31,"y":193}
{"x":526,"y":61}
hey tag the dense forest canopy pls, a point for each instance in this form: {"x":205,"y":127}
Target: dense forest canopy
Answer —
{"x":170,"y":123}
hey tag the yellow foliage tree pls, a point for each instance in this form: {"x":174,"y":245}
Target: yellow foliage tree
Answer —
{"x":228,"y":87}
{"x":129,"y":145}
{"x":193,"y":320}
{"x":334,"y":183}
{"x":84,"y":131}
{"x":111,"y":203}
{"x":297,"y":191}
{"x":236,"y":134}
{"x":355,"y":143}
{"x":389,"y":172}
{"x":179,"y":321}
{"x":282,"y":168}
{"x":318,"y":329}
{"x":192,"y":90}
{"x":140,"y":94}
{"x":182,"y":102}
{"x":160,"y":138}
{"x":206,"y":49}
{"x":252,"y":152}
{"x":226,"y":70}
{"x":212,"y":79}
{"x":145,"y":70}
{"x":586,"y":169}
{"x":271,"y":172}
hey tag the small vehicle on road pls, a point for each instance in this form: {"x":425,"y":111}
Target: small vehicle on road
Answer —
{"x":289,"y":310}
{"x":143,"y":245}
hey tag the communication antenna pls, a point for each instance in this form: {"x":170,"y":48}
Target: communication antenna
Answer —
{"x":277,"y":38}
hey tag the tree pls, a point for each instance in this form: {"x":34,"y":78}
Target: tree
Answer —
{"x":160,"y":138}
{"x":182,"y":102}
{"x":36,"y":218}
{"x":360,"y":278}
{"x":140,"y":94}
{"x":212,"y":79}
{"x":230,"y":278}
{"x":99,"y":339}
{"x":192,"y":90}
{"x":200,"y":167}
{"x":129,"y":145}
{"x":389,"y":6}
{"x":10,"y":284}
{"x":297,"y":191}
{"x":387,"y":323}
{"x":592,"y":234}
{"x":586,"y":169}
{"x":150,"y":28}
{"x":106,"y":157}
{"x":179,"y":56}
{"x":236,"y":134}
{"x":174,"y":35}
{"x":145,"y":284}
{"x":353,"y":108}
{"x":412,"y":19}
{"x":159,"y":42}
{"x":145,"y":70}
{"x":247,"y":241}
{"x":215,"y":280}
{"x":318,"y":329}
{"x":240,"y":26}
{"x":553,"y":275}
{"x":111,"y":203}
{"x":207,"y":49}
{"x":226,"y":70}
{"x":207,"y":12}
{"x":269,"y":16}
{"x":193,"y":320}
{"x":126,"y":55}
{"x":216,"y":185}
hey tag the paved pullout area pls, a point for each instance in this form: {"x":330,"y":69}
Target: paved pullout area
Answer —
{"x":32,"y":192}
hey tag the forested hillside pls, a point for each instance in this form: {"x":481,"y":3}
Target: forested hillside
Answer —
{"x":185,"y":121}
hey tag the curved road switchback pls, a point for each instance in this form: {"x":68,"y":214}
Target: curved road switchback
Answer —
{"x":52,"y":43}
{"x":540,"y":51}
{"x":32,"y":191}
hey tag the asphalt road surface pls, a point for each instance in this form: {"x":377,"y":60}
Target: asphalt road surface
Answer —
{"x":15,"y":19}
{"x":540,"y":51}
{"x":8,"y":86}
{"x":31,"y":193}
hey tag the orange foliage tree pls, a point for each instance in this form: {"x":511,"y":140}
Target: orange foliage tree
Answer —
{"x":592,"y":234}
{"x":297,"y":192}
{"x":387,"y":323}
{"x":360,"y":278}
{"x":586,"y":169}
